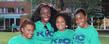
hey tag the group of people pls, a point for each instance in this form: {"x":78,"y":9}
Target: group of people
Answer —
{"x":41,"y":31}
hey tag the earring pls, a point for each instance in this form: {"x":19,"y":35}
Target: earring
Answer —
{"x":66,"y":26}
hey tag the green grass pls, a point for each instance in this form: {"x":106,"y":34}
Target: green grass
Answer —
{"x":5,"y":36}
{"x":104,"y":40}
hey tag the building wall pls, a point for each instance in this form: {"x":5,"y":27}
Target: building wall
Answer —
{"x":25,"y":5}
{"x":10,"y":12}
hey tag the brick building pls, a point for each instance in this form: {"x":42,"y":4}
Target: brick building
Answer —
{"x":10,"y":12}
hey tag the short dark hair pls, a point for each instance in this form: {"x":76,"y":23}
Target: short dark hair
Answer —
{"x":26,"y":22}
{"x":80,"y":10}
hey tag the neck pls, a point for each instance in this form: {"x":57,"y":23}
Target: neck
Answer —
{"x":85,"y":25}
{"x":43,"y":22}
{"x":62,"y":30}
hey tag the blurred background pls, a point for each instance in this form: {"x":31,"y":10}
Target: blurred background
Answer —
{"x":11,"y":11}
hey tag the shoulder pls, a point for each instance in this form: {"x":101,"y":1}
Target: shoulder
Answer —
{"x":91,"y":27}
{"x":69,"y":30}
{"x":37,"y":22}
{"x":14,"y":39}
{"x":49,"y":26}
{"x":56,"y":32}
{"x":93,"y":30}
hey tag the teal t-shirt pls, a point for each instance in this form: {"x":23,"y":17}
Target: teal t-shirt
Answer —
{"x":41,"y":35}
{"x":87,"y":35}
{"x":63,"y":37}
{"x":20,"y":40}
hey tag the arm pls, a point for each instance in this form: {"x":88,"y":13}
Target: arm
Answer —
{"x":94,"y":37}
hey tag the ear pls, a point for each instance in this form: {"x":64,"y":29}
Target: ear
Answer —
{"x":86,"y":17}
{"x":22,"y":30}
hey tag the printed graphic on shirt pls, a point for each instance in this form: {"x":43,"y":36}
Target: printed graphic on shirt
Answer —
{"x":79,"y":38}
{"x":44,"y":34}
{"x":62,"y":41}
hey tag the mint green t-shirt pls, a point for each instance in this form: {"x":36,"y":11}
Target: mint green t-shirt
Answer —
{"x":63,"y":37}
{"x":87,"y":35}
{"x":41,"y":35}
{"x":20,"y":40}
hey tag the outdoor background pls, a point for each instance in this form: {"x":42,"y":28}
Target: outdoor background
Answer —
{"x":11,"y":11}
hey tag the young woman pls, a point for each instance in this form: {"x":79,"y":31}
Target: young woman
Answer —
{"x":26,"y":29}
{"x":63,"y":35}
{"x":84,"y":33}
{"x":43,"y":30}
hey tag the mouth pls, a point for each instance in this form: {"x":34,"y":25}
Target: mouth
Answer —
{"x":60,"y":27}
{"x":29,"y":36}
{"x":46,"y":19}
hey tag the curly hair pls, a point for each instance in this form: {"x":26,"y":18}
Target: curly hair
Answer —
{"x":66,"y":18}
{"x":26,"y":22}
{"x":36,"y":14}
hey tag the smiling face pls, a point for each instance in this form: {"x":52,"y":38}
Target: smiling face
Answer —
{"x":27,"y":31}
{"x":45,"y":14}
{"x":60,"y":23}
{"x":81,"y":19}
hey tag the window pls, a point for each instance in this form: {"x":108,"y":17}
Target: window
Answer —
{"x":1,"y":10}
{"x":5,"y":10}
{"x":11,"y":10}
{"x":18,"y":22}
{"x":19,"y":10}
{"x":1,"y":21}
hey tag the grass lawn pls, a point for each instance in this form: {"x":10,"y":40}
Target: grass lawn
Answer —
{"x":104,"y":40}
{"x":5,"y":36}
